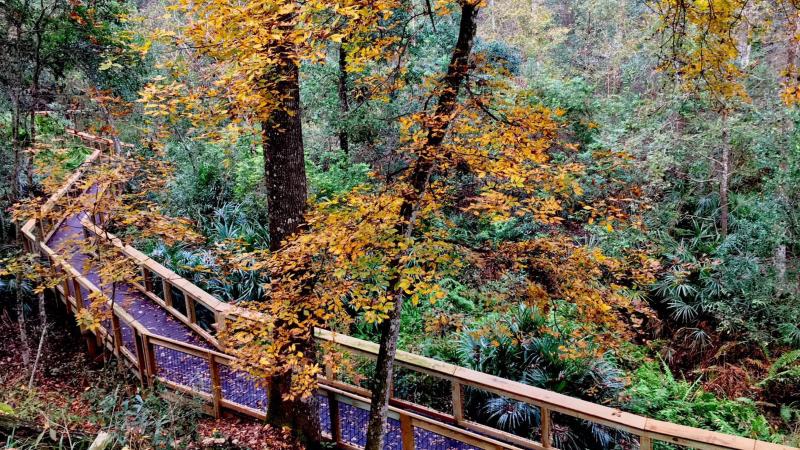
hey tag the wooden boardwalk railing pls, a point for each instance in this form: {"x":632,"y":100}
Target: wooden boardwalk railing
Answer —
{"x":202,"y":367}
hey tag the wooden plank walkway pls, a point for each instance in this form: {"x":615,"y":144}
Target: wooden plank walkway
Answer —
{"x":164,"y":328}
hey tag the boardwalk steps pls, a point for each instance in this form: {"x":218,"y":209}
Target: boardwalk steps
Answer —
{"x":164,"y":330}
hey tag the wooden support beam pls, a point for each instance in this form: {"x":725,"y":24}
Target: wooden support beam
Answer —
{"x":190,"y":304}
{"x":78,"y":294}
{"x":546,"y":427}
{"x":458,"y":402}
{"x":167,"y":292}
{"x":333,"y":411}
{"x":141,"y":358}
{"x":67,"y":301}
{"x":407,"y":432}
{"x":149,"y":352}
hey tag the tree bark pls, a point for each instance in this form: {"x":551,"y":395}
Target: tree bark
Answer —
{"x":284,"y":159}
{"x":420,"y":176}
{"x":285,"y":178}
{"x":724,"y":178}
{"x":344,"y":104}
{"x":21,"y":323}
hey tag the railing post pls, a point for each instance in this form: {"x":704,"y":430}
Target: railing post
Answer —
{"x":141,"y":357}
{"x":40,"y":229}
{"x":167,"y":292}
{"x":151,"y":359}
{"x":645,"y":443}
{"x":78,"y":294}
{"x":190,"y":311}
{"x":545,"y":428}
{"x":333,"y":407}
{"x":67,"y":301}
{"x":407,"y":432}
{"x":147,"y":281}
{"x":141,"y":360}
{"x":216,"y":387}
{"x":333,"y":412}
{"x":458,"y":404}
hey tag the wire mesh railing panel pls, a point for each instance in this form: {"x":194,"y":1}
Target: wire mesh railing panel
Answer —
{"x":356,"y":370}
{"x":182,"y":368}
{"x":572,"y":432}
{"x":128,"y":336}
{"x":502,"y":413}
{"x":394,"y":439}
{"x":353,"y":421}
{"x":204,"y":317}
{"x":430,"y":440}
{"x":240,"y":387}
{"x":423,"y":389}
{"x":324,"y":414}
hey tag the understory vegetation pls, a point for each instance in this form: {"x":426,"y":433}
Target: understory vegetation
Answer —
{"x":590,"y":197}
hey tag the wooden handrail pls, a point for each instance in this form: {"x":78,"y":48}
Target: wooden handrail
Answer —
{"x":648,"y":430}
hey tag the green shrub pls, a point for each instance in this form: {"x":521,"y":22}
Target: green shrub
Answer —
{"x":783,"y":378}
{"x":336,"y":175}
{"x":149,"y":420}
{"x":656,"y":393}
{"x":518,"y":346}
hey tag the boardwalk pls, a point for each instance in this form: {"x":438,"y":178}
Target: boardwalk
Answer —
{"x":163,"y":329}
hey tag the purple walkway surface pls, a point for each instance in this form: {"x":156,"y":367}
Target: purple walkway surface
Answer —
{"x":193,"y":371}
{"x":147,"y":312}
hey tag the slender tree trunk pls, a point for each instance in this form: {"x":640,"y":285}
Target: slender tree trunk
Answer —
{"x":39,"y":351}
{"x":16,"y":186}
{"x":39,"y":29}
{"x":724,"y":177}
{"x":344,"y":106}
{"x":23,"y":331}
{"x":285,"y":177}
{"x":780,"y":268}
{"x":420,"y":176}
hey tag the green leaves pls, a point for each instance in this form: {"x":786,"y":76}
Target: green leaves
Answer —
{"x":655,"y":392}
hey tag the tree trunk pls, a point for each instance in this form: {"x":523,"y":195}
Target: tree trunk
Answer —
{"x":16,"y":113}
{"x":16,"y":186}
{"x":284,"y":159}
{"x":420,"y":175}
{"x":285,"y":178}
{"x":344,"y":106}
{"x":724,"y":177}
{"x":21,"y":323}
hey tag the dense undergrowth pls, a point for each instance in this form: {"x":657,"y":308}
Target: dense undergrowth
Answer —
{"x":710,"y":332}
{"x":74,"y":397}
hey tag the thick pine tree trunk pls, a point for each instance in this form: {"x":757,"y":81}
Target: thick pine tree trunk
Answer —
{"x":285,"y":178}
{"x":420,"y":176}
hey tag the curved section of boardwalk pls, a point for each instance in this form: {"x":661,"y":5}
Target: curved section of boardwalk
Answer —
{"x":164,"y":330}
{"x":147,"y":312}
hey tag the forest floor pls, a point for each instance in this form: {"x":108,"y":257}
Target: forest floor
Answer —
{"x":73,"y":397}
